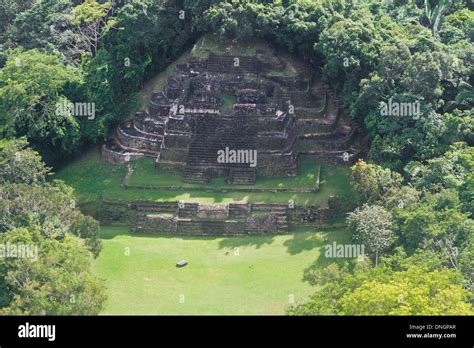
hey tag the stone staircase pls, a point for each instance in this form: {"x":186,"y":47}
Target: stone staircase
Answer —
{"x":226,"y":64}
{"x":195,"y":175}
{"x":148,"y":124}
{"x":129,"y":136}
{"x":186,"y":210}
{"x":238,"y":210}
{"x":210,"y":227}
{"x":280,"y":211}
{"x":282,"y":219}
{"x":198,"y":219}
{"x":189,"y":140}
{"x":211,"y":136}
{"x":130,"y":142}
{"x":242,"y":176}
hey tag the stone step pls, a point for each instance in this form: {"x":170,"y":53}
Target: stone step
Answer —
{"x":193,"y":175}
{"x":187,"y":209}
{"x":114,"y":144}
{"x":242,"y":176}
{"x":239,"y":209}
{"x":269,"y":207}
{"x":210,"y":227}
{"x":129,"y":136}
{"x":113,"y":152}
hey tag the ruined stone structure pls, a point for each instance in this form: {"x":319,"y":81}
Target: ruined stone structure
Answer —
{"x":199,"y":219}
{"x":184,"y":218}
{"x":282,"y":118}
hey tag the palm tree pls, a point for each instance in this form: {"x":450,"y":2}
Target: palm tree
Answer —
{"x":465,"y":95}
{"x":435,"y":12}
{"x":464,"y":98}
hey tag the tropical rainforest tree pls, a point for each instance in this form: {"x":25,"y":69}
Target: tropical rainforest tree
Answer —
{"x":55,"y":281}
{"x":32,"y":84}
{"x":372,"y":226}
{"x":412,"y":290}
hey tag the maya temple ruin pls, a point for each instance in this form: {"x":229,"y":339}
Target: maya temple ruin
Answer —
{"x":234,"y":102}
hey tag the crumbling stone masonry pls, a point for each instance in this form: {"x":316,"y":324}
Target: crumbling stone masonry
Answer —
{"x":218,"y":219}
{"x":282,"y":118}
{"x":180,"y":218}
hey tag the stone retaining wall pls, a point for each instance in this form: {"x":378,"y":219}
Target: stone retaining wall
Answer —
{"x":265,"y":224}
{"x":154,"y":224}
{"x":312,"y":216}
{"x":210,"y":227}
{"x":115,"y":157}
{"x":195,"y":219}
{"x":113,"y":212}
{"x":216,"y":211}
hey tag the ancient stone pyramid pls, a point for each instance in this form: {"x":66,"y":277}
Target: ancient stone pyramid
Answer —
{"x":284,"y":118}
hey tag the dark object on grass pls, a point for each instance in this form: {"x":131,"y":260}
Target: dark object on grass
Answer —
{"x":181,"y":263}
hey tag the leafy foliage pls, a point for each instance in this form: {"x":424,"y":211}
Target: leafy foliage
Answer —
{"x":372,"y":182}
{"x":54,"y":278}
{"x":372,"y":226}
{"x":413,"y":290}
{"x":418,"y":182}
{"x":32,"y":84}
{"x":58,"y":282}
{"x":20,"y":164}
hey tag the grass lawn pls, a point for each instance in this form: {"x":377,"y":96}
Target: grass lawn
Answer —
{"x":261,"y":279}
{"x":226,"y":275}
{"x":228,"y":102}
{"x":145,"y":173}
{"x":92,"y":178}
{"x":211,"y":43}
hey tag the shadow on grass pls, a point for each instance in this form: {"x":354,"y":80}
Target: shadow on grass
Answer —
{"x":240,"y":241}
{"x":304,"y":241}
{"x":340,"y":236}
{"x":321,"y":262}
{"x":231,"y":242}
{"x":112,"y":231}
